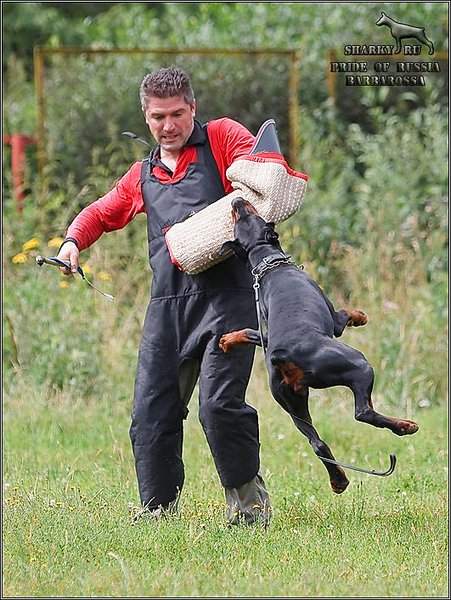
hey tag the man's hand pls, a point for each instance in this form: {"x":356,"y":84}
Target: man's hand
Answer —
{"x":69,"y":253}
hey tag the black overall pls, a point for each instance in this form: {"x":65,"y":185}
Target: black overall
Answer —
{"x":184,"y":321}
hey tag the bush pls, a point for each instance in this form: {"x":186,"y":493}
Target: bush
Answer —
{"x":368,"y":189}
{"x":373,"y":229}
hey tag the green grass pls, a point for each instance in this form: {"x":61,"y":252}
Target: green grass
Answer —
{"x":69,"y":477}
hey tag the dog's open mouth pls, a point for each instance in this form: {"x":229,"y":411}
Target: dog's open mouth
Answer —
{"x":242,"y":208}
{"x":235,"y":215}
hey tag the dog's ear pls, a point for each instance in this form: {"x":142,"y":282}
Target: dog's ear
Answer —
{"x":235,"y":247}
{"x":271,"y":235}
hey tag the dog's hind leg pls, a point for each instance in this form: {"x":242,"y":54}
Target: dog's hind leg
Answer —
{"x":296,"y":404}
{"x":424,"y":40}
{"x":339,"y":364}
{"x":362,"y":386}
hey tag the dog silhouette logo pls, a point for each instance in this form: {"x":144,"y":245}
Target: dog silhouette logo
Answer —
{"x":402,"y":31}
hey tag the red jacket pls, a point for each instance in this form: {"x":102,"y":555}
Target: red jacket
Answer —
{"x":228,"y":140}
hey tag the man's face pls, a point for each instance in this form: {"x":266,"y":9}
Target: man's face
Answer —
{"x":171,"y":121}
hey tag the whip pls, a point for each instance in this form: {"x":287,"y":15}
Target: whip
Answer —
{"x":304,"y":426}
{"x":386,"y":473}
{"x":56,"y":262}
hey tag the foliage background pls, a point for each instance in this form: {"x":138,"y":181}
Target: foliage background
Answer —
{"x":378,"y":189}
{"x":373,"y":230}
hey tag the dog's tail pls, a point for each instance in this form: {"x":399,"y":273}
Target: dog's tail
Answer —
{"x":430,"y":43}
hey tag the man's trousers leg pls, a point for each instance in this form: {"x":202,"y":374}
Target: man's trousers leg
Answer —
{"x":162,"y":389}
{"x":231,"y":428}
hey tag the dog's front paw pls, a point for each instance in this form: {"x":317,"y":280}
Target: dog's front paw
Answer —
{"x":234,"y":338}
{"x":226,"y":342}
{"x":357,"y":318}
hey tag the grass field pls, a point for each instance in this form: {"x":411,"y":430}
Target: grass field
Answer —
{"x":69,"y":478}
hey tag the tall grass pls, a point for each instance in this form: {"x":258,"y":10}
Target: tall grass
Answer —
{"x":72,"y":338}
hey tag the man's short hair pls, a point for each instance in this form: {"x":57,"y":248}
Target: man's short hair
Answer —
{"x":166,"y":83}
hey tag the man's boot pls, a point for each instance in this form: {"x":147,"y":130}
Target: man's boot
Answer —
{"x":138,"y":513}
{"x":249,"y":503}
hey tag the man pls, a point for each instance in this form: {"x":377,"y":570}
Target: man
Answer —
{"x":187,"y":314}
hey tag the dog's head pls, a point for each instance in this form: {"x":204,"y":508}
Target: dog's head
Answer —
{"x":382,"y":19}
{"x":250,"y":230}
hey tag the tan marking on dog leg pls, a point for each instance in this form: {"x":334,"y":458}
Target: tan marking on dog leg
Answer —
{"x":405,"y":427}
{"x":340,"y":483}
{"x":234,"y":338}
{"x":292,"y":375}
{"x":357,"y":318}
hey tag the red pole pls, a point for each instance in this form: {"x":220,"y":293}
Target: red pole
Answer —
{"x":18,"y":143}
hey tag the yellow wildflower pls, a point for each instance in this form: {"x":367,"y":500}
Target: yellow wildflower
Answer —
{"x":64,"y":284}
{"x":86,"y":268}
{"x":55,"y":242}
{"x":19,"y":259}
{"x":104,"y":276}
{"x":31,"y":245}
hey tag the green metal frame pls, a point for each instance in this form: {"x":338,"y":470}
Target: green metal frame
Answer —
{"x":40,"y":54}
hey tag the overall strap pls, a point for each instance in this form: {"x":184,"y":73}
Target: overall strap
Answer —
{"x":205,"y":154}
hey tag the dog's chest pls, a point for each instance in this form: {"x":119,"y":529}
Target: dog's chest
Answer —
{"x":295,"y":305}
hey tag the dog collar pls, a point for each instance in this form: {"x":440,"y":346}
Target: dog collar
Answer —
{"x":271,"y":262}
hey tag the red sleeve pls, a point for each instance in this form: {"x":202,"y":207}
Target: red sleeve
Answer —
{"x":112,"y":211}
{"x":228,"y":140}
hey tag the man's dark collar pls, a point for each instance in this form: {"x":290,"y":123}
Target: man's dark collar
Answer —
{"x":197,"y":137}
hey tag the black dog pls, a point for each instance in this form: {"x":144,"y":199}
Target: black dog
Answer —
{"x":301,"y":349}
